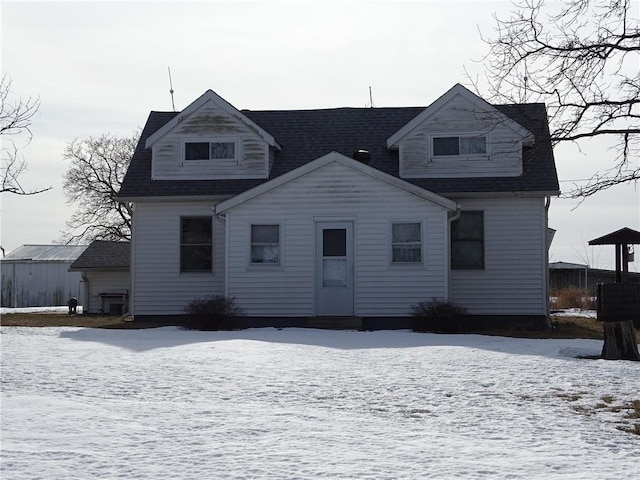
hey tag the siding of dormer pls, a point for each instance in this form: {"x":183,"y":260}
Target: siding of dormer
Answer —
{"x":462,"y":117}
{"x":207,"y":123}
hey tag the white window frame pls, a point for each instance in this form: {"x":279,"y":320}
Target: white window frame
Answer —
{"x":464,"y":156}
{"x":211,"y":161}
{"x":392,"y":243}
{"x":277,"y":264}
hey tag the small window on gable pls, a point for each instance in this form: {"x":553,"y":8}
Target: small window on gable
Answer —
{"x":205,"y":151}
{"x":459,"y":145}
{"x":265,"y":244}
{"x":406,"y":243}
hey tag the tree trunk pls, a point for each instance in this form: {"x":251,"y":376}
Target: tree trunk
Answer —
{"x":620,"y":341}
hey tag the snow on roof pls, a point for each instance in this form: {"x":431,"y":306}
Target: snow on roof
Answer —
{"x":45,"y":253}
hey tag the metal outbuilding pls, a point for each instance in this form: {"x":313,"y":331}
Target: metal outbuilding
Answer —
{"x":38,"y":275}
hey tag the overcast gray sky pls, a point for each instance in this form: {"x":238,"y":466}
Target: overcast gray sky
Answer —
{"x":100,"y":67}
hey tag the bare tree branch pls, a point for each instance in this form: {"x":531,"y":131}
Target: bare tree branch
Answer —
{"x":98,"y":166}
{"x":16,"y":116}
{"x":580,"y":58}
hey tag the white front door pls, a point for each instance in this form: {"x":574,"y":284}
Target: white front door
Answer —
{"x":334,"y":269}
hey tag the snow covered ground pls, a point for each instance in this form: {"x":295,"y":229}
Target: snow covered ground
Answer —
{"x":65,"y":309}
{"x":302,"y":403}
{"x":570,"y":312}
{"x":575,"y":312}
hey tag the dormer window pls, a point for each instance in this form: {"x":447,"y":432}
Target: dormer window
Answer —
{"x":199,"y":150}
{"x":459,"y":146}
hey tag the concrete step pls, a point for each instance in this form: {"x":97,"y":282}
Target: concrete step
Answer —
{"x":335,"y":323}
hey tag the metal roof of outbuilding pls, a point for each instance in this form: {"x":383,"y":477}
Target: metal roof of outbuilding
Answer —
{"x":567,"y":266}
{"x":45,"y":253}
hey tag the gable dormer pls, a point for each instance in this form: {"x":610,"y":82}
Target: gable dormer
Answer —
{"x":210,"y":140}
{"x":460,"y":135}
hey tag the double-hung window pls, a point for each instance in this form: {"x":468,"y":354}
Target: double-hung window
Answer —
{"x":406,"y":243}
{"x":265,"y":244}
{"x":459,"y":145}
{"x":196,"y":244}
{"x":467,"y":241}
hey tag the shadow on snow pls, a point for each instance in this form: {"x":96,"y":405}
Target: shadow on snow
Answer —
{"x":169,"y":337}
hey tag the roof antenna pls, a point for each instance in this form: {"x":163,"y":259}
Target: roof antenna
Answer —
{"x":171,"y":89}
{"x":526,"y":82}
{"x":371,"y":105}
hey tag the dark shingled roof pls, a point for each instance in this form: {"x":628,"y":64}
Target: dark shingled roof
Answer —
{"x":104,"y":255}
{"x":308,"y":134}
{"x":624,"y":236}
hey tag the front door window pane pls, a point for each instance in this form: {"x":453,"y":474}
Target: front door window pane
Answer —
{"x":334,"y":272}
{"x":334,"y":242}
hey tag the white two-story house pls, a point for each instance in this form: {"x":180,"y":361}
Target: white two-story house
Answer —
{"x":347,"y":212}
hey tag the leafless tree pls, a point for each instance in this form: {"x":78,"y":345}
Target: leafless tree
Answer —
{"x":580,"y":58}
{"x":16,"y":115}
{"x":92,"y":182}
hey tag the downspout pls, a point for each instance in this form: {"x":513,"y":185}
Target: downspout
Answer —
{"x":223,"y":218}
{"x":132,"y":266}
{"x":85,"y":300}
{"x":447,"y":248}
{"x":547,"y":245}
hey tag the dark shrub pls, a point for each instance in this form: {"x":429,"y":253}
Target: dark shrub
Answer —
{"x":216,"y":312}
{"x":437,"y":316}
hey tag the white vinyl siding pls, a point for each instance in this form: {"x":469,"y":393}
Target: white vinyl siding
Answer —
{"x":105,"y":282}
{"x":336,"y":193}
{"x":159,"y":287}
{"x":210,"y":124}
{"x":512,"y":281}
{"x":461,"y":118}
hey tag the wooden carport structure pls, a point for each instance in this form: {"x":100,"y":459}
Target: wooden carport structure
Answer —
{"x":623,"y":239}
{"x":619,"y":303}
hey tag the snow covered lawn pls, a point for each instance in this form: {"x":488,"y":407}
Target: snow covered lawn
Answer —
{"x":294,"y":403}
